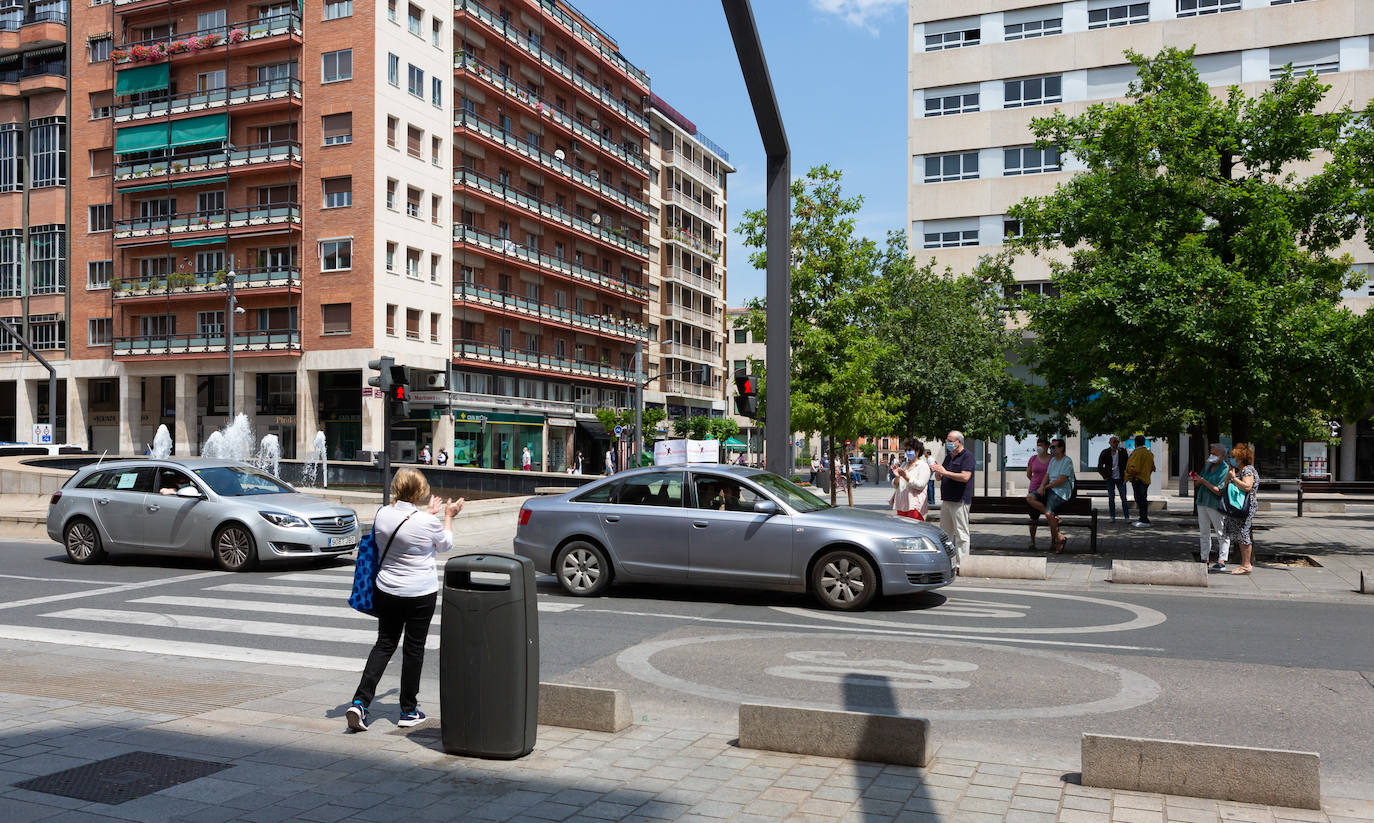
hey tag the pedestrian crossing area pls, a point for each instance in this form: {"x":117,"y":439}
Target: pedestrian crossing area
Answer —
{"x":284,"y":619}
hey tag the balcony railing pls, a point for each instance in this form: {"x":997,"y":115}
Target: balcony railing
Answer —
{"x":614,"y":237}
{"x":15,"y":22}
{"x":686,"y":351}
{"x":517,"y":37}
{"x":686,"y":388}
{"x":691,"y":278}
{"x":700,"y":318}
{"x":213,"y":37}
{"x":471,"y":120}
{"x":220,"y":220}
{"x":210,"y":99}
{"x":485,"y":352}
{"x":711,"y":248}
{"x":508,"y":247}
{"x":543,"y":311}
{"x":231,"y":157}
{"x":283,"y":340}
{"x":594,"y":41}
{"x":672,"y":157}
{"x":207,"y":281}
{"x":701,"y":210}
{"x":51,"y":67}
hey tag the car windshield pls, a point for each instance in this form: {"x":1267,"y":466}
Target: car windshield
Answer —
{"x":236,"y":481}
{"x":793,"y":495}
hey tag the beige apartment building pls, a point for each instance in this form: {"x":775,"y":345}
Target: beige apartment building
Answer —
{"x":980,"y":70}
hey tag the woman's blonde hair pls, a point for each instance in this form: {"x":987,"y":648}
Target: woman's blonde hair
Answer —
{"x":1243,"y":453}
{"x":410,"y":486}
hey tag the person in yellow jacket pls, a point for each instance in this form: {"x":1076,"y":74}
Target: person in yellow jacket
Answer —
{"x":1138,"y":470}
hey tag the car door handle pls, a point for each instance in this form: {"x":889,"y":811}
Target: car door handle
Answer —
{"x":104,"y":501}
{"x":614,"y":518}
{"x":699,"y":524}
{"x":153,"y":507}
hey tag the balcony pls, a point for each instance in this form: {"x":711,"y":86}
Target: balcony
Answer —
{"x":686,"y":203}
{"x":686,"y":351}
{"x":691,"y":278}
{"x":710,"y":248}
{"x":188,"y":163}
{"x":677,"y":159}
{"x":612,"y":237}
{"x":505,"y":247}
{"x":207,"y":40}
{"x":524,"y":307}
{"x":503,"y":84}
{"x":471,"y":120}
{"x":34,"y":76}
{"x":207,"y":282}
{"x":209,"y":221}
{"x":474,"y":351}
{"x":33,"y":30}
{"x":700,"y":318}
{"x":194,"y":101}
{"x":595,"y":42}
{"x":686,"y":388}
{"x":516,"y":36}
{"x":271,"y":341}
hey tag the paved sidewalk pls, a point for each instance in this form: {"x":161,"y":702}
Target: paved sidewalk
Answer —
{"x":284,"y":755}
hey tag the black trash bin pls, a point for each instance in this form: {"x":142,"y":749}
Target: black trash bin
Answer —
{"x":489,"y":657}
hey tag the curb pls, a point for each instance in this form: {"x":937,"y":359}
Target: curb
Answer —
{"x":1010,"y":568}
{"x":1159,"y":573}
{"x":903,"y":741}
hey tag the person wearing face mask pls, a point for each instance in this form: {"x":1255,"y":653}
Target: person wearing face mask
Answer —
{"x":1111,"y":464}
{"x":1139,"y":469}
{"x":1055,"y":490}
{"x":1241,"y":474}
{"x":1210,"y":520}
{"x":1035,"y":474}
{"x":911,"y":481}
{"x":956,"y":491}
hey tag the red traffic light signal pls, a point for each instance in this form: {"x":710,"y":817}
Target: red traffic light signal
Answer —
{"x":401,"y":392}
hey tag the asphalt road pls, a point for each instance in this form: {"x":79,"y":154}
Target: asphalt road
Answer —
{"x":999,"y":669}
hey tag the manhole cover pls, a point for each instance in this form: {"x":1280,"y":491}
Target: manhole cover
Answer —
{"x":121,"y":779}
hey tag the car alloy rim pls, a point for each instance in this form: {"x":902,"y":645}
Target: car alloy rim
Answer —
{"x":842,"y":580}
{"x":581,"y":569}
{"x":233,"y":546}
{"x":80,"y":541}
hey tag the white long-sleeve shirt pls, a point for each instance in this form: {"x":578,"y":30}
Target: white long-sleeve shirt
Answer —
{"x":409,"y":570}
{"x":911,"y":492}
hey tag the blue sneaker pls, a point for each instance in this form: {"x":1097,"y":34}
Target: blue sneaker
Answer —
{"x":414,"y":717}
{"x":357,"y":717}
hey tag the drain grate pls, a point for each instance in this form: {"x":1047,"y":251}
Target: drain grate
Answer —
{"x":123,"y":778}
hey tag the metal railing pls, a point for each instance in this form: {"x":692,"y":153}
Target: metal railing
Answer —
{"x":711,"y":247}
{"x":165,"y":344}
{"x":207,"y":281}
{"x":577,"y":29}
{"x":472,"y":179}
{"x":216,"y":220}
{"x":689,"y":389}
{"x":506,"y":246}
{"x":476,"y":350}
{"x":15,"y":23}
{"x":696,"y":316}
{"x":254,"y":29}
{"x":544,"y":311}
{"x":272,"y":152}
{"x":690,"y":278}
{"x":689,"y":352}
{"x":701,"y":210}
{"x":673,"y":157}
{"x":211,"y":98}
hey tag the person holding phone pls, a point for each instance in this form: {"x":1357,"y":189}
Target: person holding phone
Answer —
{"x":1210,"y":520}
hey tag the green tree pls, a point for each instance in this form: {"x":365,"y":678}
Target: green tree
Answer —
{"x":835,"y":350}
{"x":1202,"y":287}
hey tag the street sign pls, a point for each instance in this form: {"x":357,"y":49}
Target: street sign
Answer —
{"x":619,"y":430}
{"x":42,"y":434}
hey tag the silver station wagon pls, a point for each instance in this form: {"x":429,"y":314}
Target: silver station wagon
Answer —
{"x":728,"y":526}
{"x":196,"y":507}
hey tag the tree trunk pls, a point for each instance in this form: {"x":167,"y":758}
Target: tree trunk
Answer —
{"x":849,"y":481}
{"x":1197,"y":447}
{"x":1240,"y":427}
{"x":830,"y":450}
{"x":1213,"y":428}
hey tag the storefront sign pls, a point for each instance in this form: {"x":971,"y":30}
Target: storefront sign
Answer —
{"x":562,"y":422}
{"x":285,"y":420}
{"x":429,"y":397}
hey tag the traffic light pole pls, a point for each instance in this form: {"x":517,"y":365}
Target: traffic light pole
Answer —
{"x":386,"y":451}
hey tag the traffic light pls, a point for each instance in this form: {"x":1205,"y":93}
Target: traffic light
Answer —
{"x":381,"y":380}
{"x":746,"y":394}
{"x":399,"y":394}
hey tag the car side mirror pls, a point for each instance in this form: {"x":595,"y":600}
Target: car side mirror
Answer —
{"x":767,"y":507}
{"x":190,"y":491}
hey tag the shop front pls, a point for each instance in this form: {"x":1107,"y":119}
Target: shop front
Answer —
{"x":496,"y":440}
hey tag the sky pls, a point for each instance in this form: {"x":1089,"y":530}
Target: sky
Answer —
{"x":839,"y":72}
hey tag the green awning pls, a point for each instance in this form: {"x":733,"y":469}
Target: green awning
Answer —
{"x":207,"y":129}
{"x":133,"y":189}
{"x":735,"y":446}
{"x":204,"y":181}
{"x":143,"y":78}
{"x":141,"y":138}
{"x":198,"y":241}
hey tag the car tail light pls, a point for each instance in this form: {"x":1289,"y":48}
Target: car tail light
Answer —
{"x":56,"y":496}
{"x":524,"y":516}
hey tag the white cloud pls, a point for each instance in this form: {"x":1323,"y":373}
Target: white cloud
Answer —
{"x":858,"y":13}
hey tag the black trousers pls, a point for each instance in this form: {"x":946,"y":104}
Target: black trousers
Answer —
{"x":1142,"y":505}
{"x":395,"y":616}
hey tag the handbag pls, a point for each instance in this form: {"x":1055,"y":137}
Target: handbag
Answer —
{"x":1233,"y":500}
{"x":366,"y":567}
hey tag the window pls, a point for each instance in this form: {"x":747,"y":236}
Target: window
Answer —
{"x":336,"y":318}
{"x":741,"y":335}
{"x":433,"y":327}
{"x":99,"y":331}
{"x":1194,"y":8}
{"x":102,"y":162}
{"x":98,"y":273}
{"x":100,"y":49}
{"x":946,"y":167}
{"x":1104,"y":15}
{"x":391,"y":10}
{"x":100,"y":217}
{"x":48,"y":259}
{"x":337,"y":65}
{"x":413,"y":262}
{"x":1029,"y":160}
{"x":210,"y":323}
{"x":724,"y":494}
{"x":413,"y":318}
{"x":436,"y":91}
{"x":1315,"y":58}
{"x":415,"y":139}
{"x":336,"y":255}
{"x":416,"y":80}
{"x":436,"y":211}
{"x":102,"y":103}
{"x":1032,"y":91}
{"x":336,"y":9}
{"x":436,"y":151}
{"x":210,"y":203}
{"x":413,"y":196}
{"x":652,"y":489}
{"x":391,"y":125}
{"x":436,"y":33}
{"x":10,"y":179}
{"x":47,"y":153}
{"x":338,"y":128}
{"x":950,"y":238}
{"x":210,"y":80}
{"x":434,"y":261}
{"x":213,"y":19}
{"x":47,"y":331}
{"x":273,"y":195}
{"x":276,"y":71}
{"x":338,"y":192}
{"x":415,"y":20}
{"x":391,"y":256}
{"x":943,"y":102}
{"x":1027,"y":29}
{"x":11,"y":273}
{"x":391,"y":194}
{"x":953,"y":39}
{"x":208,"y":262}
{"x":393,"y":70}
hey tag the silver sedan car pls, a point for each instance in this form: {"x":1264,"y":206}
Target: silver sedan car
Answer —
{"x":195,"y":507}
{"x":728,"y":526}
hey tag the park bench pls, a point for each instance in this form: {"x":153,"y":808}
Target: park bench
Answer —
{"x":1362,"y":488}
{"x":1077,"y":507}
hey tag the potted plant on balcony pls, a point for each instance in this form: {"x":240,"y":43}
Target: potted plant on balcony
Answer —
{"x":119,"y":55}
{"x":220,"y":277}
{"x":177,"y":47}
{"x":177,"y":167}
{"x":180,"y":280}
{"x":116,"y":286}
{"x":237,"y":35}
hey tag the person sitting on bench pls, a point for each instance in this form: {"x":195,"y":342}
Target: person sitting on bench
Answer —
{"x":1055,"y":490}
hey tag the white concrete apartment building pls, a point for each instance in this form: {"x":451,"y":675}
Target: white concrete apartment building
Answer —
{"x":687,"y":192}
{"x":980,"y":70}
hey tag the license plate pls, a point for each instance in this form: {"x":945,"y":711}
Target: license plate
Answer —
{"x":336,"y":542}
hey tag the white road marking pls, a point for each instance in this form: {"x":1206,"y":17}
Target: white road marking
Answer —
{"x":296,"y":608}
{"x":219,"y":624}
{"x":312,"y":577}
{"x":123,"y":587}
{"x":63,"y":580}
{"x":180,"y":648}
{"x":283,"y":591}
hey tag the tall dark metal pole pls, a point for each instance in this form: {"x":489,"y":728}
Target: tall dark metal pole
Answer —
{"x":777,"y":428}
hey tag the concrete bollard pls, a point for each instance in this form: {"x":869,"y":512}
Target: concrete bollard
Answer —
{"x":877,"y":738}
{"x":584,"y":707}
{"x":1271,"y":777}
{"x":1159,"y":573}
{"x":1011,"y":568}
{"x":1367,"y":582}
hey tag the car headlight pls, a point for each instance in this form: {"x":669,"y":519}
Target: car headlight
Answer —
{"x":289,"y":521}
{"x":912,"y":545}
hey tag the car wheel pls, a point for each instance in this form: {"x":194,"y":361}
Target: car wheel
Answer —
{"x":234,"y":549}
{"x":82,"y":541}
{"x":844,"y":580}
{"x":583,"y":569}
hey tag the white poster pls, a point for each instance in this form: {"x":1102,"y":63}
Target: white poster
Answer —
{"x":686,"y":451}
{"x":1019,"y":452}
{"x":1314,"y":459}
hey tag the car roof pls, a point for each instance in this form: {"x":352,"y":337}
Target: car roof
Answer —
{"x":187,"y":463}
{"x":742,"y":471}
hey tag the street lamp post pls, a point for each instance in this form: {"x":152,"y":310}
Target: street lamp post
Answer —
{"x":229,"y":306}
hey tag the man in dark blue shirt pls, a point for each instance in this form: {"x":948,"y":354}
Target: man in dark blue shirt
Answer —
{"x":956,"y":491}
